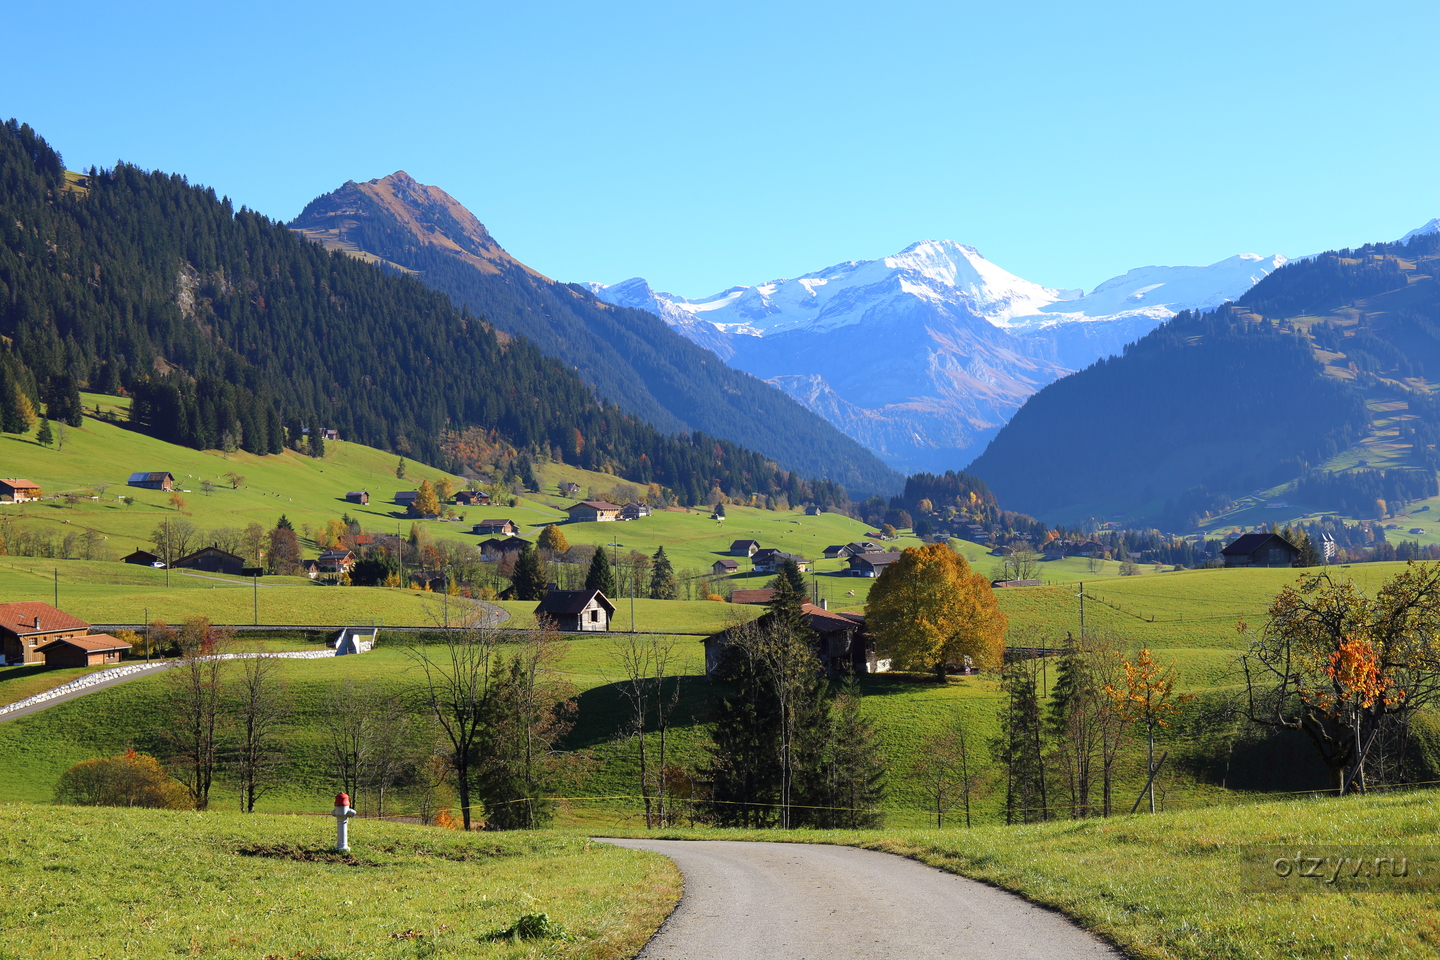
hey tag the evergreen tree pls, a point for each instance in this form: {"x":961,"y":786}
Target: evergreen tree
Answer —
{"x":787,"y":605}
{"x":790,"y":573}
{"x":600,"y":576}
{"x":284,"y":523}
{"x":1019,"y":747}
{"x":400,"y":469}
{"x":529,"y":578}
{"x":842,"y":779}
{"x":45,"y":437}
{"x":662,"y":577}
{"x":316,"y":447}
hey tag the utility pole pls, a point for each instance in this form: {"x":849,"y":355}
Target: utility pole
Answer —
{"x":147,"y":634}
{"x":57,"y":588}
{"x":1081,"y":595}
{"x":255,"y":596}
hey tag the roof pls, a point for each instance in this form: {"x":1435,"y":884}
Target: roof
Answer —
{"x":17,"y":484}
{"x":762,"y":596}
{"x":140,"y":553}
{"x":727,"y":562}
{"x":770,"y":554}
{"x":357,"y":493}
{"x":143,"y":476}
{"x":93,"y":643}
{"x":406,"y":495}
{"x":572,"y":601}
{"x":495,"y":523}
{"x":505,"y":543}
{"x":875,"y":559}
{"x":336,"y":555}
{"x":1251,"y":542}
{"x":827,"y":621}
{"x":593,"y":505}
{"x":743,"y":543}
{"x":20,"y":617}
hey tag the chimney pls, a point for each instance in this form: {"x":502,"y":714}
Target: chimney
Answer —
{"x":824,"y":603}
{"x":37,"y":621}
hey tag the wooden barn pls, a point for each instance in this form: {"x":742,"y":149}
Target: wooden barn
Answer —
{"x":91,"y":650}
{"x":28,"y":625}
{"x":577,"y":610}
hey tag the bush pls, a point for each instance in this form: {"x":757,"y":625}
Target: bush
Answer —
{"x":129,"y":780}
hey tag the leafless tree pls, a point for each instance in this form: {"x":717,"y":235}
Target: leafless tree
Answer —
{"x":947,"y":772}
{"x":648,"y":667}
{"x":455,"y":689}
{"x":197,"y":705}
{"x":253,"y":543}
{"x":260,"y":708}
{"x":173,"y":539}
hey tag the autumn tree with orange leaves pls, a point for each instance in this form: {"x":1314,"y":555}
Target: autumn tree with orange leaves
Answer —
{"x":1344,"y":668}
{"x":1147,"y":697}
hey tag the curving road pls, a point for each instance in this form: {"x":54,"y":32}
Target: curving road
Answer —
{"x":800,"y":901}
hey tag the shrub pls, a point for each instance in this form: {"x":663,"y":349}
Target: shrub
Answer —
{"x":129,"y":780}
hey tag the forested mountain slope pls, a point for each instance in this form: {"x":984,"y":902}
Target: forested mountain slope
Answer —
{"x":1324,"y":373}
{"x":629,"y":356}
{"x":227,"y":323}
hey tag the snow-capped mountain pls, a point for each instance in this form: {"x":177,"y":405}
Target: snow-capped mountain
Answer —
{"x":1432,"y":227}
{"x":924,"y":355}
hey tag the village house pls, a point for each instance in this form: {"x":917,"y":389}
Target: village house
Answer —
{"x":1058,"y":548}
{"x":90,"y":650}
{"x":841,"y":643}
{"x":501,"y":547}
{"x":744,"y":548}
{"x":212,"y":560}
{"x":592,"y":511}
{"x":835,"y":551}
{"x":723,"y":566}
{"x":151,"y":481}
{"x":496,"y":528}
{"x":15,"y":490}
{"x":770,"y":560}
{"x":568,"y":489}
{"x":1261,"y":550}
{"x":361,"y":497}
{"x":143,"y":558}
{"x":327,"y":433}
{"x":336,"y":561}
{"x":814,"y":510}
{"x":472,"y":498}
{"x":634,"y":511}
{"x":311,"y":568}
{"x":577,"y":610}
{"x":28,"y":625}
{"x":870,"y":564}
{"x":406,"y":498}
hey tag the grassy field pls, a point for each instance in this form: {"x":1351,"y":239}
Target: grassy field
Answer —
{"x":147,"y":884}
{"x":1201,"y":885}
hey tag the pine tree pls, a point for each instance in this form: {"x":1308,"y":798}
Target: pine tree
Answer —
{"x":1019,"y":748}
{"x":317,"y":443}
{"x":600,"y":576}
{"x":842,"y":774}
{"x":400,"y":469}
{"x":529,"y":578}
{"x":787,"y":605}
{"x":790,"y":573}
{"x":662,"y":577}
{"x":45,"y":437}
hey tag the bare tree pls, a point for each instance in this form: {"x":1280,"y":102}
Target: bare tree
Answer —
{"x":173,"y":539}
{"x":947,"y":771}
{"x":648,"y":666}
{"x":261,"y":706}
{"x":253,"y":543}
{"x":1104,"y":655}
{"x":455,"y":689}
{"x":197,"y":704}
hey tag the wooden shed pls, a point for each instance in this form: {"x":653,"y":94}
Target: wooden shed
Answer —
{"x":90,"y":650}
{"x":577,"y":610}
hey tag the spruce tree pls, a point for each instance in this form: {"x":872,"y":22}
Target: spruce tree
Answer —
{"x":46,"y":436}
{"x":528,"y":577}
{"x":662,"y":577}
{"x":600,"y":576}
{"x":790,"y":573}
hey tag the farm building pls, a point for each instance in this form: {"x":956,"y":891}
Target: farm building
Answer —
{"x":361,"y":497}
{"x":498,"y":547}
{"x":723,"y":566}
{"x":577,"y":610}
{"x":143,"y":558}
{"x":591,"y":511}
{"x":212,"y":560}
{"x":28,"y":625}
{"x":151,"y":481}
{"x":90,"y":650}
{"x":770,"y":560}
{"x":406,"y":497}
{"x":1261,"y":550}
{"x":472,"y":498}
{"x":496,"y":528}
{"x":841,"y":642}
{"x":336,"y":561}
{"x":744,"y":548}
{"x":758,"y":598}
{"x":871,"y":564}
{"x":634,"y":511}
{"x":18,"y":491}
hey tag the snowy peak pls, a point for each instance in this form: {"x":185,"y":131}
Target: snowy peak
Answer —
{"x":1432,"y":227}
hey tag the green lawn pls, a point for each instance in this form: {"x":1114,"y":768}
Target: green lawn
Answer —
{"x":86,"y":882}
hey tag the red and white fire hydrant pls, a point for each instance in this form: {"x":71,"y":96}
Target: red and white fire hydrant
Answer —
{"x":342,"y":815}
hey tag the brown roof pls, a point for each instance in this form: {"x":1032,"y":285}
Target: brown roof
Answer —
{"x":17,"y":484}
{"x":594,"y":505}
{"x":572,"y":601}
{"x":94,"y":643}
{"x":20,"y":618}
{"x":827,"y":621}
{"x":762,"y":596}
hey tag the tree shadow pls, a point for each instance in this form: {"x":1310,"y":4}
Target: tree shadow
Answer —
{"x":605,"y":713}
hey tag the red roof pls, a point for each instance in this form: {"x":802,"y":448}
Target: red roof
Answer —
{"x":17,"y":484}
{"x":19,"y":618}
{"x":594,"y":505}
{"x":93,"y":643}
{"x":762,"y":596}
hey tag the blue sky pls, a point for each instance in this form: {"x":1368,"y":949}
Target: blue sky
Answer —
{"x":704,"y":145}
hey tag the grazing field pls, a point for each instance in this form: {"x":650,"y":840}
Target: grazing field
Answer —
{"x":1202,"y":884}
{"x":86,"y":882}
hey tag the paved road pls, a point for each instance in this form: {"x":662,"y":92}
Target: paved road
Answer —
{"x":105,"y":685}
{"x":800,"y":901}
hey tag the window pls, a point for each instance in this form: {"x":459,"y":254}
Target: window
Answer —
{"x":594,"y":616}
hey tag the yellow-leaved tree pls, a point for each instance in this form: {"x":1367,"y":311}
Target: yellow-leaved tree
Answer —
{"x":929,"y":610}
{"x":426,"y":503}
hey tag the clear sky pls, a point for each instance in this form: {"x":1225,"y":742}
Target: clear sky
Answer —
{"x":705,"y":145}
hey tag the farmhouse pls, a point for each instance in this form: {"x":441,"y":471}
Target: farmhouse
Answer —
{"x":406,"y":497}
{"x":723,"y":566}
{"x":16,"y":490}
{"x":143,"y":558}
{"x":472,"y":498}
{"x":577,"y":610}
{"x":212,"y":560}
{"x":770,"y":560}
{"x":841,"y":642}
{"x":151,"y":481}
{"x":336,"y":561}
{"x":591,"y":511}
{"x":871,"y":564}
{"x":28,"y":625}
{"x":496,"y":528}
{"x":500,"y":547}
{"x":814,"y":510}
{"x":90,"y":650}
{"x":744,"y":548}
{"x":311,"y":568}
{"x":1261,"y":550}
{"x":568,"y":489}
{"x":835,"y":550}
{"x":634,"y":511}
{"x":361,"y":497}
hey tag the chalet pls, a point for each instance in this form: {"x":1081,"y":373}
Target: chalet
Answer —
{"x":151,"y":481}
{"x":361,"y":497}
{"x":836,"y":551}
{"x":143,"y":558}
{"x":28,"y":625}
{"x":1328,"y":546}
{"x":472,"y":498}
{"x":311,"y":568}
{"x":841,"y":642}
{"x":568,"y":489}
{"x":1261,"y":550}
{"x":15,"y":490}
{"x":723,"y":566}
{"x":327,"y":433}
{"x":496,"y":528}
{"x":499,"y":547}
{"x":406,"y":498}
{"x":771,"y":560}
{"x":212,"y":560}
{"x":90,"y":650}
{"x":814,"y":510}
{"x":336,"y":561}
{"x":744,"y":548}
{"x":592,"y":511}
{"x":870,"y":564}
{"x":577,"y":610}
{"x":757,"y":598}
{"x":634,"y":511}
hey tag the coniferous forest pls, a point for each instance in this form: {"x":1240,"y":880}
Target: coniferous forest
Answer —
{"x":226,"y":327}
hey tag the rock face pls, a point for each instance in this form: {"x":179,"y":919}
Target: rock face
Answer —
{"x":923,"y":356}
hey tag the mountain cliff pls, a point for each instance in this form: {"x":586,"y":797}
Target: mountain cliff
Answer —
{"x":627,"y":355}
